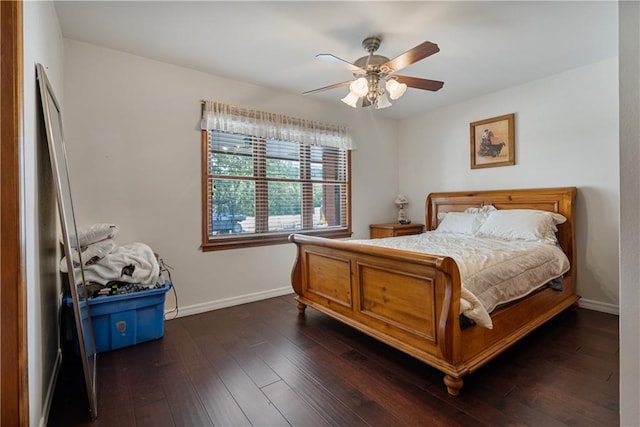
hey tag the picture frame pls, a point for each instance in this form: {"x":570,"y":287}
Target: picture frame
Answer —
{"x":492,"y":142}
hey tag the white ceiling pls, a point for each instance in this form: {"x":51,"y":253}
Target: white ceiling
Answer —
{"x":484,"y":46}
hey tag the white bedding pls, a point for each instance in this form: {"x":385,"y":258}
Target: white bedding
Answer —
{"x":492,"y":271}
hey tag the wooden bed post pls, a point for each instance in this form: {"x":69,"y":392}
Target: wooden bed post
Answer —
{"x":296,"y":278}
{"x":454,"y":385}
{"x":301,"y":308}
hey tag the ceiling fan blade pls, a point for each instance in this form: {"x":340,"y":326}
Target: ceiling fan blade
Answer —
{"x":333,"y":86}
{"x":327,"y":57}
{"x":419,"y":83}
{"x":409,"y":57}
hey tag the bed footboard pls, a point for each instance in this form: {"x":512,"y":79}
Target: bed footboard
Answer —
{"x":410,"y":301}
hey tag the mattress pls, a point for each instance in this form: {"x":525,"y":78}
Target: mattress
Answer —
{"x":492,"y":271}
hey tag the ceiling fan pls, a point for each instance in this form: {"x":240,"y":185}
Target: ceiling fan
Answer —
{"x":376,"y":80}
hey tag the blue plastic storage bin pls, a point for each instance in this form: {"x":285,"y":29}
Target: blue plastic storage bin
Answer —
{"x":127,"y":319}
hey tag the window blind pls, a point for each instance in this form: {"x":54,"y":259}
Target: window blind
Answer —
{"x":263,"y":185}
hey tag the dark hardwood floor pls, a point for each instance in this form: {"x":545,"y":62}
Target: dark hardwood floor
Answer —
{"x":260,"y":364}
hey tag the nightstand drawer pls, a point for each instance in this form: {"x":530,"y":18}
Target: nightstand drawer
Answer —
{"x":394,"y":229}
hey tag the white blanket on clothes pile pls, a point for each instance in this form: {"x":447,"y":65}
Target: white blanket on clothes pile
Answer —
{"x":492,"y":271}
{"x":130,"y":263}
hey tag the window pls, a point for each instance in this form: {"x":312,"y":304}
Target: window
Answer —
{"x":257,"y":190}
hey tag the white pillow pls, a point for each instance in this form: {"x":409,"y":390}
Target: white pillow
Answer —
{"x":95,"y":233}
{"x":521,"y":224}
{"x":460,"y":222}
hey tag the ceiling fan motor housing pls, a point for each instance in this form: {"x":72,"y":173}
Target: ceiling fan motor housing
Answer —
{"x":370,"y":62}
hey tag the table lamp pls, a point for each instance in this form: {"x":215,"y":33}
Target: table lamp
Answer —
{"x":400,"y":201}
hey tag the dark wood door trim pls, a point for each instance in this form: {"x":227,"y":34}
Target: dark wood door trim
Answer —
{"x":14,"y":397}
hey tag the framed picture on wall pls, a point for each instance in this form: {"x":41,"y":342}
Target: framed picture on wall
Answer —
{"x":493,"y":142}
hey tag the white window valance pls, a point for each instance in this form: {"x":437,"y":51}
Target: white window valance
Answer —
{"x":229,"y":118}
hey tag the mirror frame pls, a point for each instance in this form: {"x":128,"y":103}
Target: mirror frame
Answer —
{"x":57,"y":154}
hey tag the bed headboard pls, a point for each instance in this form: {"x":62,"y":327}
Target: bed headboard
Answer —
{"x":560,"y":200}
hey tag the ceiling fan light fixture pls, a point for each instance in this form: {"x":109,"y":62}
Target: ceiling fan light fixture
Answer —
{"x":351,"y":99}
{"x":395,"y":89}
{"x":383,"y":101}
{"x":375,"y":76}
{"x":359,"y":87}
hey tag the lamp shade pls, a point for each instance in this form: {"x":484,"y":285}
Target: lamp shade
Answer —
{"x":351,"y":99}
{"x":395,"y":89}
{"x":359,"y":87}
{"x":383,"y":101}
{"x":401,"y":199}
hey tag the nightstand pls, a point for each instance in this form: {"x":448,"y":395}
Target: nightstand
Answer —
{"x":394,"y":229}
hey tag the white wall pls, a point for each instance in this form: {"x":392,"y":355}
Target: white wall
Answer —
{"x":134,"y":150}
{"x":43,"y":44}
{"x":566,"y":134}
{"x":629,"y":36}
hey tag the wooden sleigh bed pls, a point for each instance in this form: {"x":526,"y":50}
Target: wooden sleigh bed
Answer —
{"x":411,"y":301}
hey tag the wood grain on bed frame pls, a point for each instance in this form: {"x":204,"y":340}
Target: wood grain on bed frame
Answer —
{"x":411,"y":301}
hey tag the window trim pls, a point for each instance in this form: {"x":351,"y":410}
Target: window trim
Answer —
{"x":252,"y":240}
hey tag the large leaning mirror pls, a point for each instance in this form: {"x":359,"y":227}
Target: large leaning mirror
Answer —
{"x":57,"y":154}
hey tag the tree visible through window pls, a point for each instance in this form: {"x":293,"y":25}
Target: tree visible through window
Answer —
{"x":259,"y":190}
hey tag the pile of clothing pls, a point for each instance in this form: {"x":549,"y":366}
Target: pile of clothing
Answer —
{"x":107,"y":264}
